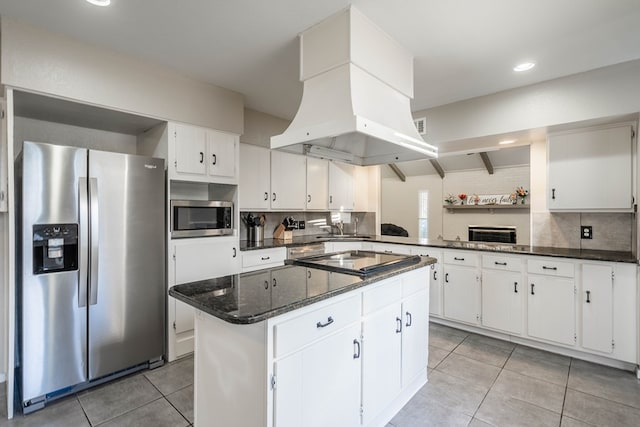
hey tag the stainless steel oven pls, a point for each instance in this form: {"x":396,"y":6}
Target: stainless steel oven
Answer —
{"x":196,"y":218}
{"x":486,"y":233}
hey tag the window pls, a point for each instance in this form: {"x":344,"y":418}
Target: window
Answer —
{"x":423,"y":213}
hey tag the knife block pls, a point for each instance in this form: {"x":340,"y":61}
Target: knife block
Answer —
{"x":282,"y":233}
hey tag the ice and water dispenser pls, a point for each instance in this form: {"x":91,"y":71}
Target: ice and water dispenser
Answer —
{"x":55,"y":248}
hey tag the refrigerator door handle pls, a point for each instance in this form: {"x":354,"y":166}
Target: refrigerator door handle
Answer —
{"x":94,"y":224}
{"x":83,"y":215}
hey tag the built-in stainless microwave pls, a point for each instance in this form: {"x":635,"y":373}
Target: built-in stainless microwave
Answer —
{"x":196,"y":218}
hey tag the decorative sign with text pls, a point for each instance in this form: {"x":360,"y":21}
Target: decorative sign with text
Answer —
{"x":493,"y":199}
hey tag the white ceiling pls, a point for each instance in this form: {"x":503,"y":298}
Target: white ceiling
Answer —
{"x":462,"y":48}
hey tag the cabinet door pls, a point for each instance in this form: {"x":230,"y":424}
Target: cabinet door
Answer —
{"x":190,"y":150}
{"x":341,"y":186}
{"x":287,"y":286}
{"x":317,"y":184}
{"x":205,"y":259}
{"x":461,"y":294}
{"x":319,"y":386}
{"x":502,"y":300}
{"x":221,"y":152}
{"x":255,"y":177}
{"x":183,"y":321}
{"x":597,"y":307}
{"x":381,"y":358}
{"x":222,"y":259}
{"x":435,"y":279}
{"x":578,"y":161}
{"x":551,"y":309}
{"x":288,"y":181}
{"x":415,"y":336}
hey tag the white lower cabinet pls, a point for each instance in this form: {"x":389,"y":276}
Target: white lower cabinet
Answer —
{"x":435,"y":279}
{"x":319,"y":385}
{"x":382,"y":353}
{"x":395,"y":336}
{"x":415,"y":336}
{"x":607,"y":299}
{"x":193,"y":260}
{"x":461,"y":294}
{"x":503,"y":293}
{"x":597,"y":307}
{"x":551,"y":309}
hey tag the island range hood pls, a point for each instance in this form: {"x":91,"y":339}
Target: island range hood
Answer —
{"x":358,"y":84}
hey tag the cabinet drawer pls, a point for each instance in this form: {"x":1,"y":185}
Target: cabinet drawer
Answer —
{"x":497,"y":262}
{"x":551,"y":267}
{"x":306,"y":328}
{"x":263,"y":257}
{"x":461,"y":258}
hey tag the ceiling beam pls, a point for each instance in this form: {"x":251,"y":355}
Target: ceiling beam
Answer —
{"x":487,"y":162}
{"x":398,"y":172}
{"x":437,"y":167}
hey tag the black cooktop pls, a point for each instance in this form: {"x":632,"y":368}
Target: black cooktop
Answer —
{"x":357,"y":263}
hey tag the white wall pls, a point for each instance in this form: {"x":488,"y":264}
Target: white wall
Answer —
{"x":260,"y":127}
{"x":400,"y":202}
{"x":40,"y":61}
{"x":609,"y":91}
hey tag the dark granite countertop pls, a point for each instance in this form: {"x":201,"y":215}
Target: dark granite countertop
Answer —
{"x":250,"y":297}
{"x":586,"y":254}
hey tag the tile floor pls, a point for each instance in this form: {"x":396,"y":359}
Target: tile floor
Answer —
{"x":473,"y":381}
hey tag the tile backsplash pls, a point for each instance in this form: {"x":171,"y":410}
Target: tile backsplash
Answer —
{"x":611,"y":231}
{"x":316,"y":222}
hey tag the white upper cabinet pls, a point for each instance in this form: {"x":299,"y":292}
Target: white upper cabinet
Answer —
{"x":189,"y":144}
{"x":255,"y":177}
{"x":317,"y":184}
{"x":221,"y":149}
{"x":288,"y":181}
{"x":591,"y":170}
{"x":204,"y":155}
{"x":341,"y":191}
{"x":271,"y":179}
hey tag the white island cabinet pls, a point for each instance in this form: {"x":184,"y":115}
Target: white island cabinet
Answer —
{"x":354,"y":359}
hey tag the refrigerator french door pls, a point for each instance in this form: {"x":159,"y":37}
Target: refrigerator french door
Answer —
{"x":92,"y":290}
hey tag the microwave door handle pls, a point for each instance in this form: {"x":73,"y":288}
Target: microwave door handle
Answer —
{"x":83,"y":215}
{"x":94,"y":240}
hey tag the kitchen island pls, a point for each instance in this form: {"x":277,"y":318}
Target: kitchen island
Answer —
{"x":299,"y":346}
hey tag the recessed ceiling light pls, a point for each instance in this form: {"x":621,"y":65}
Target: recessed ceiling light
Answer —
{"x":524,"y":66}
{"x":100,"y":2}
{"x":507,"y":142}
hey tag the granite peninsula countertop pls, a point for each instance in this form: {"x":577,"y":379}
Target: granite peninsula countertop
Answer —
{"x":586,"y":254}
{"x":250,"y":297}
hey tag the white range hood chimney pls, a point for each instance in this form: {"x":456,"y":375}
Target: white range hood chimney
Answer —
{"x":358,"y":83}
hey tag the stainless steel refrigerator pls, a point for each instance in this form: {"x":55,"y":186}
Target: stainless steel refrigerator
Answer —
{"x":91,"y":289}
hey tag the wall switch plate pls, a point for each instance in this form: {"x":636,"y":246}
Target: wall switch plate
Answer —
{"x":586,"y":232}
{"x":301,"y":225}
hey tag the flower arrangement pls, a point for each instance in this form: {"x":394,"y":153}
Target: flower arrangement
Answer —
{"x":522,"y":194}
{"x":462,"y":197}
{"x":475,"y":198}
{"x":450,"y":199}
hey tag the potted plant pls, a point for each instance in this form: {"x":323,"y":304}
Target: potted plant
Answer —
{"x":450,"y":199}
{"x":522,"y":194}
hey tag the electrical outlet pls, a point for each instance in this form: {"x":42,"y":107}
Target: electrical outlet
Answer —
{"x":586,"y":232}
{"x":301,"y":225}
